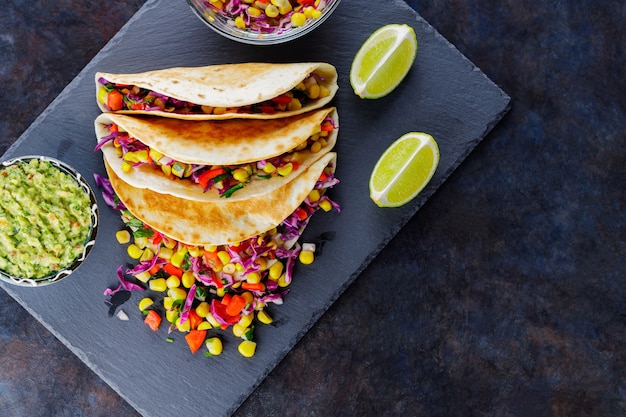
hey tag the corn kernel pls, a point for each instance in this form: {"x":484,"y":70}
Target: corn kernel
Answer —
{"x":285,"y":170}
{"x":314,"y":196}
{"x":306,"y":257}
{"x":271,"y":10}
{"x":147,"y":255}
{"x":316,"y":14}
{"x":326,"y":205}
{"x":143,"y":276}
{"x":166,"y":253}
{"x":178,"y":257}
{"x":211,"y":319}
{"x":248,"y":297}
{"x":214,"y":345}
{"x":177,"y":293}
{"x":294,"y":104}
{"x":298,"y":19}
{"x":195,"y":251}
{"x":313,"y":91}
{"x":183,"y":326}
{"x":324,"y":91}
{"x":144,"y":303}
{"x":220,"y":292}
{"x":269,"y":168}
{"x":240,"y":23}
{"x":157,"y":284}
{"x":253,"y":277}
{"x":155,"y":155}
{"x":264,"y":317}
{"x":282,"y":281}
{"x":134,"y":251}
{"x":203,"y":309}
{"x":240,"y":174}
{"x":276,"y":270}
{"x":229,"y":268}
{"x":188,"y":279}
{"x":224,"y":257}
{"x":246,"y":320}
{"x":126,"y":167}
{"x":285,"y":8}
{"x":247,"y":348}
{"x":167,"y":169}
{"x":316,"y":147}
{"x":122,"y":236}
{"x":308,"y":11}
{"x":142,"y":156}
{"x":168,"y":302}
{"x":219,"y":110}
{"x":130,"y":157}
{"x":171,"y":316}
{"x":141,"y":242}
{"x":172,"y":282}
{"x":254,"y":12}
{"x":239,"y":330}
{"x":204,"y":325}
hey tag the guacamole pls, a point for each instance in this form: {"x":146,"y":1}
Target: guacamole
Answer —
{"x":45,"y":219}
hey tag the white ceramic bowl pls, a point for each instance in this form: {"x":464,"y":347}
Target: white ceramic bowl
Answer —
{"x":64,"y":272}
{"x":223,"y":21}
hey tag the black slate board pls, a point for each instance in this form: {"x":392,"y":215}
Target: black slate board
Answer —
{"x":444,"y":94}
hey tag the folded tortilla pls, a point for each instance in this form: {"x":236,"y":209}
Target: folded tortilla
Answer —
{"x":217,"y":143}
{"x":238,"y":90}
{"x":226,"y":222}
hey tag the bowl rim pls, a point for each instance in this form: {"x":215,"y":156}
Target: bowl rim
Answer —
{"x":254,"y":38}
{"x":90,"y":241}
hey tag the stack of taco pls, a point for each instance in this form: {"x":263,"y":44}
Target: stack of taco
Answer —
{"x":225,"y":163}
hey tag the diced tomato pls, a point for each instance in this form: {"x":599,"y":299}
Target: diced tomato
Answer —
{"x":153,"y":320}
{"x":173,"y":270}
{"x":195,"y":339}
{"x":207,"y":176}
{"x":115,"y":100}
{"x":282,"y":99}
{"x":267,"y":109}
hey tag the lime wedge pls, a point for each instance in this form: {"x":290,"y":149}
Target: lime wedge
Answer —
{"x":404,"y":169}
{"x":383,"y":61}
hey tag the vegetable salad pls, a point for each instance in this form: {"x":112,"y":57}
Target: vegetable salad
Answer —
{"x":225,"y":179}
{"x":202,"y":291}
{"x":115,"y":97}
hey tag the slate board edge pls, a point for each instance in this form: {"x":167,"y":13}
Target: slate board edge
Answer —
{"x":86,"y":71}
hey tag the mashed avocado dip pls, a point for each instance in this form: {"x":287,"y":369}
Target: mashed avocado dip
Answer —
{"x":45,"y":219}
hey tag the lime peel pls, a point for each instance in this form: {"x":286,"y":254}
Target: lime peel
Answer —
{"x":404,"y":169}
{"x":383,"y":61}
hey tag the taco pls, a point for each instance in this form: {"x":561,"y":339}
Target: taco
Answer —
{"x":246,"y":90}
{"x":226,"y":222}
{"x":214,"y":160}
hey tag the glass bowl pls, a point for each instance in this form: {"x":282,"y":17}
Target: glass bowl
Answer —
{"x":63,"y":272}
{"x":223,"y":22}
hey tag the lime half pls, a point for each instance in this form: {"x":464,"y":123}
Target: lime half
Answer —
{"x":383,"y":61}
{"x":404,"y":169}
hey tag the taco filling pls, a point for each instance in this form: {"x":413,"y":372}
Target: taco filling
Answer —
{"x":116,"y":97}
{"x":225,"y":179}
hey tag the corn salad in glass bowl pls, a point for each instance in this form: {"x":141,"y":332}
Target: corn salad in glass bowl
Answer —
{"x":263,"y":22}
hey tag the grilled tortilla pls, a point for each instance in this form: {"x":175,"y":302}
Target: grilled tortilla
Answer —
{"x":226,"y":222}
{"x":205,"y":145}
{"x":246,"y":90}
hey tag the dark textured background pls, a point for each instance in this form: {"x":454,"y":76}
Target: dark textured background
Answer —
{"x":504,"y":296}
